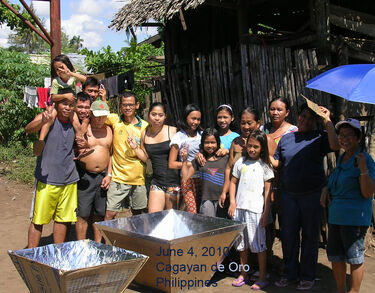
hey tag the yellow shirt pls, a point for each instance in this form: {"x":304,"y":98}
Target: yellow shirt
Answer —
{"x":126,"y":167}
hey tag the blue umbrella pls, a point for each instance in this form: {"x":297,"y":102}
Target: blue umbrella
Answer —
{"x":354,"y":82}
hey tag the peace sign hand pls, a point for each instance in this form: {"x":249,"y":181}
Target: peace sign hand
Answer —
{"x":47,"y":115}
{"x":132,"y":141}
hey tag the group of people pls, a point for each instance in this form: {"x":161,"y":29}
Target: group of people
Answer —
{"x":98,"y":159}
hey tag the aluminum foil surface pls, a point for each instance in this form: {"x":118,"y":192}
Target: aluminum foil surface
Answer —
{"x":77,"y":254}
{"x":169,"y":224}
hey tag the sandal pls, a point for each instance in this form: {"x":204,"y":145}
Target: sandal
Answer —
{"x":259,"y":285}
{"x":284,"y":282}
{"x":305,"y":285}
{"x":240,"y":281}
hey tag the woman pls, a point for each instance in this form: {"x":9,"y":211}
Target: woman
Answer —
{"x":351,"y":187}
{"x":279,"y":109}
{"x":155,"y":140}
{"x":188,"y":137}
{"x":300,"y":156}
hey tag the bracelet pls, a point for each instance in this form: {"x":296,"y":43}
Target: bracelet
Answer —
{"x":109,"y":175}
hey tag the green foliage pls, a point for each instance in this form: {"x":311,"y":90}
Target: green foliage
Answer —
{"x":10,"y":19}
{"x":132,"y":57}
{"x":17,"y":71}
{"x":18,"y":162}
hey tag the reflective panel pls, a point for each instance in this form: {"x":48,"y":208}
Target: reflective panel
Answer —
{"x":77,"y":255}
{"x":169,"y":224}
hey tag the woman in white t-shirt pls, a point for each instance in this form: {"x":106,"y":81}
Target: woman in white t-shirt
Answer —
{"x":188,"y":137}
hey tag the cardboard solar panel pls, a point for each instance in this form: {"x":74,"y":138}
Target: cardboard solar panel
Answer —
{"x":77,"y":266}
{"x":185,"y":249}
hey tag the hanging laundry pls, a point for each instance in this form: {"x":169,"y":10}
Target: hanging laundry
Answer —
{"x":125,"y":81}
{"x":47,"y":82}
{"x":43,"y":97}
{"x":30,"y":97}
{"x":111,"y":86}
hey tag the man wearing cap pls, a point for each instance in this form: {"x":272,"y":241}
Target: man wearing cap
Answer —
{"x":95,"y":171}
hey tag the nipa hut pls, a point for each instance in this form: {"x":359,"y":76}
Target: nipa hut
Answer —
{"x":245,"y":52}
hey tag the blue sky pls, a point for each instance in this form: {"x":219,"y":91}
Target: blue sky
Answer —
{"x":87,"y":18}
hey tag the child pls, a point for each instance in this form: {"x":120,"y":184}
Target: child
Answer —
{"x":63,"y":86}
{"x":211,"y":174}
{"x":249,"y":121}
{"x":224,"y":119}
{"x":189,"y":135}
{"x":251,"y":204}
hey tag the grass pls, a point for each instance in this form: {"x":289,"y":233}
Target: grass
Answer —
{"x":17,"y":163}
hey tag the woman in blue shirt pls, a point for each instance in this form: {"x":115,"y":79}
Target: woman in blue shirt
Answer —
{"x":351,"y":187}
{"x":300,"y":155}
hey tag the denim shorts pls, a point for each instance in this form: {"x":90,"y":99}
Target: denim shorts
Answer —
{"x":171,"y":190}
{"x":346,"y":244}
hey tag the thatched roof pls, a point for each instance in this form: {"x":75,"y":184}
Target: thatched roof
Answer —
{"x":138,"y":11}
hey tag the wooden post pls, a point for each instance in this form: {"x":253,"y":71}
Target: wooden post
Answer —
{"x":55,"y":28}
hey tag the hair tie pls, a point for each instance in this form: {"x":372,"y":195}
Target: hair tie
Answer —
{"x":225,"y":105}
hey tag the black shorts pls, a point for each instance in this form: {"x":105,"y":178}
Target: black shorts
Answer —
{"x":91,"y":197}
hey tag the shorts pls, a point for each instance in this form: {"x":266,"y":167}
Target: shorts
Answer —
{"x":209,"y":208}
{"x":171,"y":191}
{"x":91,"y":197}
{"x":253,"y":236}
{"x":55,"y":202}
{"x":346,"y":244}
{"x":119,"y":192}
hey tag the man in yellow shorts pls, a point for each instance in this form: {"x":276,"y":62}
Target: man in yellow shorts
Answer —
{"x":56,"y":175}
{"x":128,"y":172}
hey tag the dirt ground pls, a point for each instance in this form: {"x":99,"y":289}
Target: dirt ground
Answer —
{"x":15,"y":207}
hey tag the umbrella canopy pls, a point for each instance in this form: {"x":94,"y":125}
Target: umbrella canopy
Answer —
{"x":354,"y":82}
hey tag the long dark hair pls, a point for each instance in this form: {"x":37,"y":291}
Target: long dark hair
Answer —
{"x":64,"y":59}
{"x":262,"y":138}
{"x":208,"y":132}
{"x":182,"y":123}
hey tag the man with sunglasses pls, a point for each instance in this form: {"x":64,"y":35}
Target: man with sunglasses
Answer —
{"x":128,"y":172}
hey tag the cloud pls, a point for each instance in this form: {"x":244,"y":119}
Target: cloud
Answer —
{"x":41,"y":8}
{"x":92,"y":7}
{"x":89,"y":29}
{"x":5,"y":31}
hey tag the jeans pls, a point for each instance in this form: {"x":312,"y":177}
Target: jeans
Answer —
{"x":300,"y":212}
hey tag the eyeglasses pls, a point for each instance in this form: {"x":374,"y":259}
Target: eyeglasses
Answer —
{"x":128,"y":105}
{"x":341,"y":136}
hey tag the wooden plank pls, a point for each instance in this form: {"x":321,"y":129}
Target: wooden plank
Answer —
{"x":226,"y":97}
{"x":193,"y":75}
{"x":244,"y":70}
{"x":263,"y":84}
{"x":352,"y":20}
{"x":230,"y":75}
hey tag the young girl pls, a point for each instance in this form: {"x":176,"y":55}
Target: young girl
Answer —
{"x":155,"y":140}
{"x":64,"y":78}
{"x":251,"y":204}
{"x":211,"y":174}
{"x":249,"y":121}
{"x":189,"y":136}
{"x":224,"y":119}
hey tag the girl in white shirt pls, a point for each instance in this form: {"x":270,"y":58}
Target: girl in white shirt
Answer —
{"x":251,"y":204}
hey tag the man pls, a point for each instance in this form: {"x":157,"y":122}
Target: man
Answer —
{"x":56,"y":175}
{"x":95,"y":171}
{"x":94,"y":89}
{"x":128,"y":172}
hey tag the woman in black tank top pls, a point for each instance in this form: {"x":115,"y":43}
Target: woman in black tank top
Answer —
{"x":154,"y":145}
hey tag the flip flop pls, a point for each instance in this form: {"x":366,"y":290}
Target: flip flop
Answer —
{"x":259,"y":285}
{"x":239,"y":282}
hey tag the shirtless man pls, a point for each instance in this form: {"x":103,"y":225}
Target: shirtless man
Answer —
{"x":95,"y":172}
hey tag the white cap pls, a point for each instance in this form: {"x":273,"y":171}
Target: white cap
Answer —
{"x":352,"y":122}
